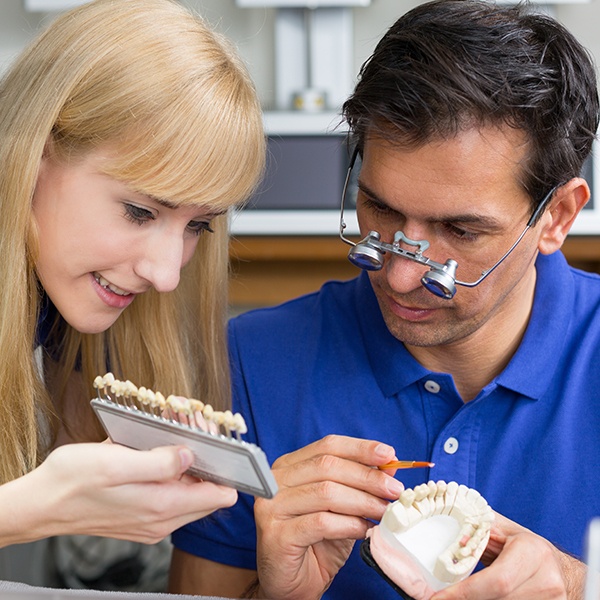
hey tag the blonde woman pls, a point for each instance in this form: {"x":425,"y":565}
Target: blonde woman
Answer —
{"x":127,"y":131}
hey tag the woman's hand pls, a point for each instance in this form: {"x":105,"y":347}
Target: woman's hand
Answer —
{"x":108,"y":490}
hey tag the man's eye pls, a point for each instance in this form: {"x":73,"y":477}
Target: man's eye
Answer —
{"x":376,"y":207}
{"x":460,"y":233}
{"x":137,"y":214}
{"x":197,"y":227}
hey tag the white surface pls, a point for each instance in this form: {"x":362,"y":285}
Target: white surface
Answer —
{"x":313,"y":49}
{"x":592,"y":584}
{"x":17,"y":591}
{"x":301,"y":3}
{"x":545,"y":1}
{"x":288,"y":122}
{"x":51,"y":5}
{"x":292,"y":222}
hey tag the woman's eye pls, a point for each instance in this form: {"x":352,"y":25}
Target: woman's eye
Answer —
{"x":197,"y":227}
{"x":137,"y":214}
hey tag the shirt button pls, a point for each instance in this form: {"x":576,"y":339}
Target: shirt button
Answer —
{"x":451,"y":445}
{"x":432,"y":386}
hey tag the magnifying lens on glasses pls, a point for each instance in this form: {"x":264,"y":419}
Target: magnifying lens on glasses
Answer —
{"x":440,"y":279}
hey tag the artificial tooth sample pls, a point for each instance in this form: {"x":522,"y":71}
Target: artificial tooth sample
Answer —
{"x":179,"y":410}
{"x":431,"y":537}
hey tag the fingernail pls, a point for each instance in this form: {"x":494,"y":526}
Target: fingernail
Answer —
{"x":395,"y":488}
{"x":383,"y":450}
{"x":186,"y":458}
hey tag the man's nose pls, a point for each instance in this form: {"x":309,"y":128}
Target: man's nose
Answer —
{"x":403,"y":275}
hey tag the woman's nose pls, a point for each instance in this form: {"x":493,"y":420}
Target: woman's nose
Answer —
{"x":161,"y":262}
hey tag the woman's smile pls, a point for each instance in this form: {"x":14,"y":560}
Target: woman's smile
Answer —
{"x":110,"y":294}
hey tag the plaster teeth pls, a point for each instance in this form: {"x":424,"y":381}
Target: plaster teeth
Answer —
{"x":455,"y":517}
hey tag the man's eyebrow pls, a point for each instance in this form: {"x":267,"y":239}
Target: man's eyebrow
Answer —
{"x":365,"y":189}
{"x":485,"y":221}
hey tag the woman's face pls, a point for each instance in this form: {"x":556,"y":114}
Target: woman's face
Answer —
{"x":101,"y":243}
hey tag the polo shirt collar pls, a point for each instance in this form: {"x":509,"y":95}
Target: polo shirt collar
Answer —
{"x":392,"y":364}
{"x":526,"y":374}
{"x":537,"y":357}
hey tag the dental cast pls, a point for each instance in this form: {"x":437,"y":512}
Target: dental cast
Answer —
{"x":432,"y":536}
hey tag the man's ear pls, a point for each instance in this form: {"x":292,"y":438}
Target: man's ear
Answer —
{"x":557,"y":220}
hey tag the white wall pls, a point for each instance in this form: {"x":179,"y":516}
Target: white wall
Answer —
{"x":252,"y":30}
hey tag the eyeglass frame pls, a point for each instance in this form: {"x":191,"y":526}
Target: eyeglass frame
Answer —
{"x":368,"y":253}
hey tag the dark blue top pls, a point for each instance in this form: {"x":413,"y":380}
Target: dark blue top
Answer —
{"x":46,"y":319}
{"x":326,"y":363}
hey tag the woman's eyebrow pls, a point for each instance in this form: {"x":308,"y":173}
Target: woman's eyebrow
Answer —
{"x":168,"y":204}
{"x":162,"y":202}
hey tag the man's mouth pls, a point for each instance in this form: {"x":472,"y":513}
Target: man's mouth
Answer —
{"x":107,"y":285}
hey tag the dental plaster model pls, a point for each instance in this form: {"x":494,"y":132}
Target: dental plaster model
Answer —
{"x":431,"y":537}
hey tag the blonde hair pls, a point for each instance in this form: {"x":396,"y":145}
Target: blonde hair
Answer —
{"x":151,"y":79}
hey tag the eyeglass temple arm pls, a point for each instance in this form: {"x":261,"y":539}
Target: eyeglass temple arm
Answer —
{"x":346,"y":183}
{"x":418,"y":256}
{"x":531,"y":223}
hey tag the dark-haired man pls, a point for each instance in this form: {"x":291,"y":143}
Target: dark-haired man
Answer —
{"x":473,"y":122}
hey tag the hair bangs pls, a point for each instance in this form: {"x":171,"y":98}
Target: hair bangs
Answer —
{"x":175,"y":102}
{"x":219,"y":165}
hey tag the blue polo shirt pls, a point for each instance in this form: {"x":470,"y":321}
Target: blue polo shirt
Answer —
{"x":326,"y":363}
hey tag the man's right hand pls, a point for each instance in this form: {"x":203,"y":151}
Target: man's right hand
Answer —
{"x":329,"y":494}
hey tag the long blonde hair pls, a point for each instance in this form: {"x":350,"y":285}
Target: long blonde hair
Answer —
{"x":150,"y":78}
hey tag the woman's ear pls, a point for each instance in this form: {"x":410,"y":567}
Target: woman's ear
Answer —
{"x":557,"y":220}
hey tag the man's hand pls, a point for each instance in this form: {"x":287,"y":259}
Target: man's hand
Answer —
{"x":521,"y":566}
{"x":329,"y":494}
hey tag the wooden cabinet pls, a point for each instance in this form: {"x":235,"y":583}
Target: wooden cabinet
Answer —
{"x":270,"y":269}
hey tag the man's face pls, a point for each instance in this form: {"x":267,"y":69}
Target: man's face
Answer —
{"x":462,"y":196}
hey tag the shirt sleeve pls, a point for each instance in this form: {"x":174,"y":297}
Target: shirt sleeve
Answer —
{"x":228,"y":535}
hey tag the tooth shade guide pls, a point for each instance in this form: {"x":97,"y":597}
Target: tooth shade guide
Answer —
{"x":180,"y":410}
{"x":142,"y":419}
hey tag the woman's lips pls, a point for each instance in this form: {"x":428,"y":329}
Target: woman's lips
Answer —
{"x":111,"y":298}
{"x":110,"y":286}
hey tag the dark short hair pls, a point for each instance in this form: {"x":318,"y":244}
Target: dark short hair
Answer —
{"x":448,"y":65}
